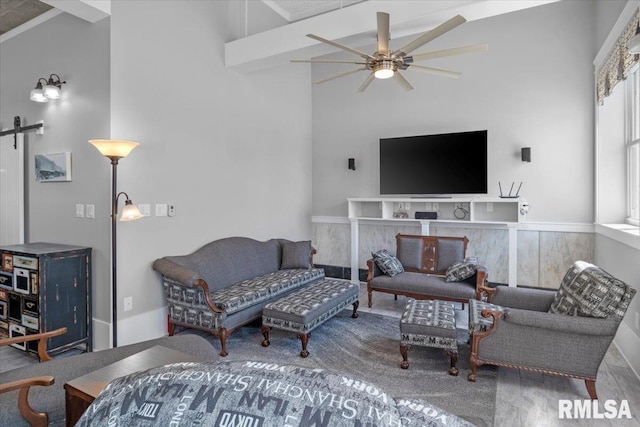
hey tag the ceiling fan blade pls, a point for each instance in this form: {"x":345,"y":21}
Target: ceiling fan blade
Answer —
{"x":340,"y":46}
{"x":328,"y":61}
{"x":335,"y":76}
{"x":402,"y":81}
{"x":430,"y":35}
{"x":366,"y":83}
{"x":436,"y":71}
{"x":383,"y":33}
{"x":450,"y":52}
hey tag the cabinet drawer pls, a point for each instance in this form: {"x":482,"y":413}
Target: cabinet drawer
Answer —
{"x":25,"y":262}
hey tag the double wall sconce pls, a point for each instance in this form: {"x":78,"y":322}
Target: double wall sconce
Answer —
{"x":50,"y":90}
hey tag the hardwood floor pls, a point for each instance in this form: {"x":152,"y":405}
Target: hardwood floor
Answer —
{"x":523,"y":398}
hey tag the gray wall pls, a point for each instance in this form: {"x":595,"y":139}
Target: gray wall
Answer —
{"x":79,"y":53}
{"x":532,"y":88}
{"x":231,"y":151}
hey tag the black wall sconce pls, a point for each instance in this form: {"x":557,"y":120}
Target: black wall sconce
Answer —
{"x":352,"y":163}
{"x":51,"y":90}
{"x":526,"y":154}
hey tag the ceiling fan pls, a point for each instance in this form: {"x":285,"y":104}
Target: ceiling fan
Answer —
{"x":386,"y":63}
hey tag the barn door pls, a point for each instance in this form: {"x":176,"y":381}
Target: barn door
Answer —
{"x":11,"y":190}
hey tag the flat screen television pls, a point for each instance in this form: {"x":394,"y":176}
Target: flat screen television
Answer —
{"x":434,"y":165}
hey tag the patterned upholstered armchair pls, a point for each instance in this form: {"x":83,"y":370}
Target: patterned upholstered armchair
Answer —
{"x":564,"y":333}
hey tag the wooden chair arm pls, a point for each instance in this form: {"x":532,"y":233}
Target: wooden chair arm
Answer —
{"x":33,"y":417}
{"x":42,"y":341}
{"x":482,"y":286}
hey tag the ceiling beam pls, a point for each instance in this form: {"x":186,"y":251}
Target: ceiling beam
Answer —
{"x":89,"y":10}
{"x":356,"y":26}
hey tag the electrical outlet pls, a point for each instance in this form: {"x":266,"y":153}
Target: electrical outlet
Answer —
{"x":128,"y":304}
{"x":435,"y":206}
{"x":407,"y":206}
{"x":489,"y":207}
{"x":91,"y":211}
{"x":171,"y":211}
{"x":79,"y":211}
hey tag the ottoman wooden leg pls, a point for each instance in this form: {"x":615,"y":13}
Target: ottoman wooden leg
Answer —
{"x":304,"y":339}
{"x":265,"y":334}
{"x":404,"y":350}
{"x":454,"y":359}
{"x":355,"y":309}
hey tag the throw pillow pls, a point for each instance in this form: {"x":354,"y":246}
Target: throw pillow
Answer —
{"x":389,"y":264}
{"x":589,"y":291}
{"x":461,"y":270}
{"x":296,"y":255}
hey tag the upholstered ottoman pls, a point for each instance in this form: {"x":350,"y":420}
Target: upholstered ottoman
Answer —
{"x":429,"y":323}
{"x":306,"y":309}
{"x":477,"y":323}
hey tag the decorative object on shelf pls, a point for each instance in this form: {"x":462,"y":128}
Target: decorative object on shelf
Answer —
{"x":385,"y":63}
{"x":53,"y":167}
{"x":115,"y":150}
{"x":400,"y":214}
{"x":525,"y":153}
{"x":460,"y":212}
{"x":510,"y":196}
{"x":352,"y":163}
{"x":52,"y":89}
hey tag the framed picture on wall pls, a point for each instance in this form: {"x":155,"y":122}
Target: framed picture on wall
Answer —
{"x":53,"y":167}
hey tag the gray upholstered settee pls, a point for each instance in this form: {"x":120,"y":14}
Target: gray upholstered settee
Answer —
{"x":564,"y":333}
{"x":425,"y":260}
{"x":226,"y":283}
{"x":51,"y":399}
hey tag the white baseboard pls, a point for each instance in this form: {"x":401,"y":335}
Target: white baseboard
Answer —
{"x":141,"y":327}
{"x":628,"y":344}
{"x":101,"y":334}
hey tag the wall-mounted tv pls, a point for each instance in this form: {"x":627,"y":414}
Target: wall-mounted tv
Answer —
{"x":443,"y":164}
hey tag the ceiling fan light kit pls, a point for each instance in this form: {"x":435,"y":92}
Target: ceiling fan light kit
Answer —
{"x":385,"y":63}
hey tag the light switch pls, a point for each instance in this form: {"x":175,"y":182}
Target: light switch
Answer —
{"x":145,"y":209}
{"x":161,"y":209}
{"x":79,"y":211}
{"x":91,"y":211}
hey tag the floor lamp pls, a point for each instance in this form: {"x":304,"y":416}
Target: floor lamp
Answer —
{"x":115,"y":150}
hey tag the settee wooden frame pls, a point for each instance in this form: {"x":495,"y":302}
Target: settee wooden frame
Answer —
{"x":429,"y":266}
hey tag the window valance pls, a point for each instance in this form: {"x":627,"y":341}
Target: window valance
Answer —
{"x":619,"y":61}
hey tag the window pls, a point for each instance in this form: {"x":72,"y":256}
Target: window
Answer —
{"x":633,"y":146}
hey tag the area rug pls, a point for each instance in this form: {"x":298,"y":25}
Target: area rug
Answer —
{"x":368,"y":348}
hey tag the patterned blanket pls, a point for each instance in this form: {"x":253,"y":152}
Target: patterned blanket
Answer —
{"x":254,"y":394}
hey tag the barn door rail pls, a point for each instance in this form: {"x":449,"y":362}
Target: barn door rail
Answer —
{"x":18,"y":128}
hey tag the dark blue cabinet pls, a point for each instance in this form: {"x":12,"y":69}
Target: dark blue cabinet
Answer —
{"x":45,"y":286}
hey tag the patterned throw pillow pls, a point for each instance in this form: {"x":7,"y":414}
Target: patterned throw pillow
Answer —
{"x":589,"y":291}
{"x":462,"y":270}
{"x":386,"y":262}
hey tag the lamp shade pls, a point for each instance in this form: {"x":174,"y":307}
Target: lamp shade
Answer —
{"x":37,"y":95}
{"x":114,"y":148}
{"x":130,"y":212}
{"x":52,"y":91}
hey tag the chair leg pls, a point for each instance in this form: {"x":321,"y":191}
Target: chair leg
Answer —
{"x":369,"y":293}
{"x":591,"y":388}
{"x":222,"y":333}
{"x":355,"y":309}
